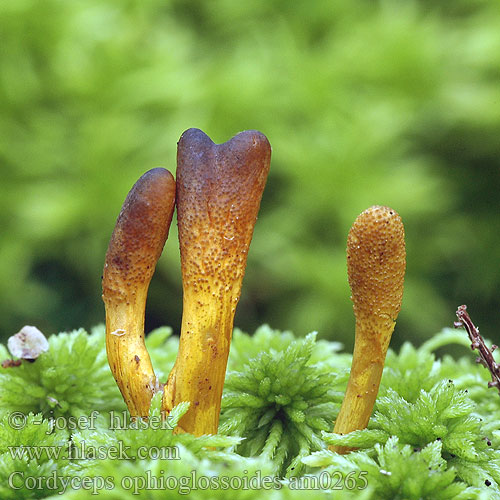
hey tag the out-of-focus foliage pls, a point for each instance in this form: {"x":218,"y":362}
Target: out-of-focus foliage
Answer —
{"x":364,"y":102}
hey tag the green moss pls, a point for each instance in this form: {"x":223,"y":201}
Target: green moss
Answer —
{"x":71,"y":378}
{"x":395,"y":470}
{"x":433,"y":435}
{"x":30,"y":448}
{"x":281,"y":399}
{"x":421,"y":406}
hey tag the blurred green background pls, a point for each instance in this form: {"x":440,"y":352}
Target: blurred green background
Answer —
{"x":364,"y":102}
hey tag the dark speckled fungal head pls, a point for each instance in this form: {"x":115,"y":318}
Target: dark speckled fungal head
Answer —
{"x":219,"y":189}
{"x":135,"y":246}
{"x":139,"y":234}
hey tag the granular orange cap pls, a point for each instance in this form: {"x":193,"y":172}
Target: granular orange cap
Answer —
{"x":376,"y":262}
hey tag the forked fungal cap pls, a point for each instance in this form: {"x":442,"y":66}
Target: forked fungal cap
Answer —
{"x":219,"y":190}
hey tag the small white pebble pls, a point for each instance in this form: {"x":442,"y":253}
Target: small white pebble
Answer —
{"x":28,"y":343}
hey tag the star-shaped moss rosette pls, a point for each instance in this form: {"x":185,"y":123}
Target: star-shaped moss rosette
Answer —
{"x":152,"y":436}
{"x":466,"y":375}
{"x":281,"y":400}
{"x":394,"y":470}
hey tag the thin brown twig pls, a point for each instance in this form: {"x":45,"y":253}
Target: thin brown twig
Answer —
{"x":485,"y":355}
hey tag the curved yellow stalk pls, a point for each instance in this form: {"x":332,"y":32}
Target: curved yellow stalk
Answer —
{"x":219,"y":188}
{"x":135,"y":246}
{"x":376,"y":262}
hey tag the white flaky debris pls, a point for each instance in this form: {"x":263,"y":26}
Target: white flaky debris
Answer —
{"x":119,"y":332}
{"x":28,"y":343}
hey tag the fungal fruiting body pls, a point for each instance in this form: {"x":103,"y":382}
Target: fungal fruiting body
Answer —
{"x":376,"y":262}
{"x":219,"y":189}
{"x":135,"y":246}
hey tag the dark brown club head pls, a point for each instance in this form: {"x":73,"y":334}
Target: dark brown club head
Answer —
{"x":139,"y":235}
{"x":219,"y":189}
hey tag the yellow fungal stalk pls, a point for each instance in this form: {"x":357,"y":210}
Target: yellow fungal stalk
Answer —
{"x":376,"y":262}
{"x":219,"y":189}
{"x":136,"y":245}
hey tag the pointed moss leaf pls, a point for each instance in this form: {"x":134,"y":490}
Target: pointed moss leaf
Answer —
{"x":267,"y":417}
{"x":365,"y":438}
{"x":321,"y":458}
{"x":177,"y":413}
{"x":236,"y":399}
{"x":272,"y":439}
{"x":294,"y":415}
{"x":397,"y":471}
